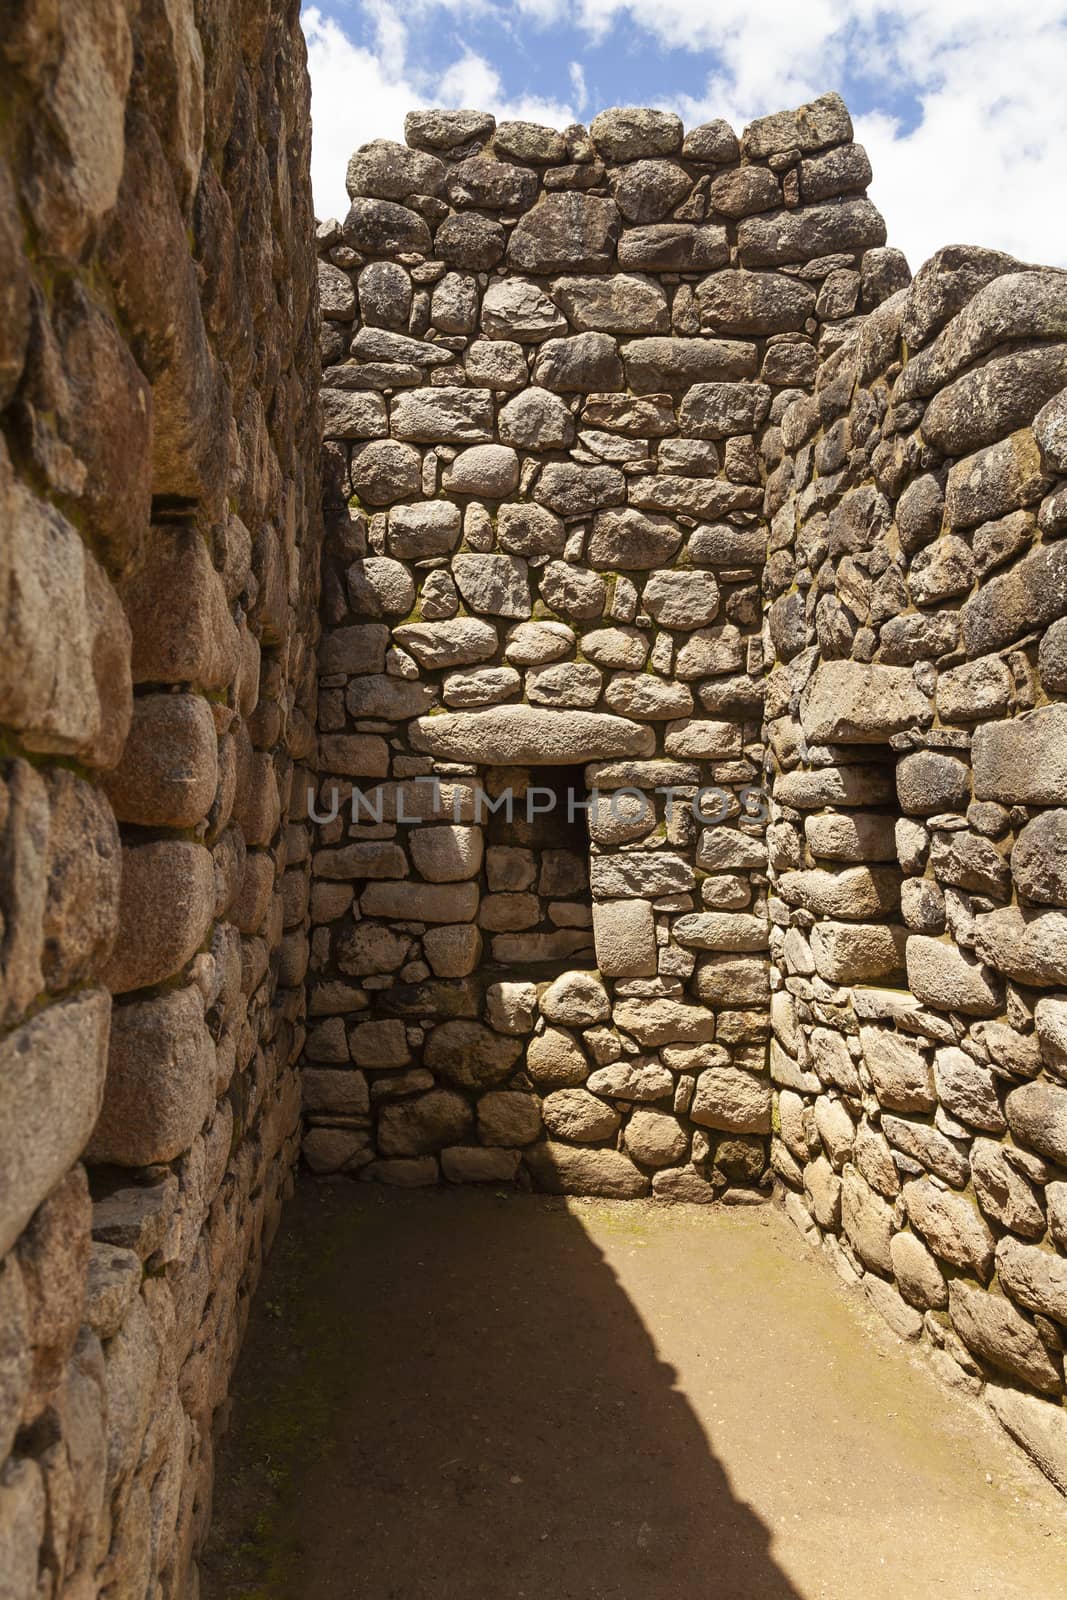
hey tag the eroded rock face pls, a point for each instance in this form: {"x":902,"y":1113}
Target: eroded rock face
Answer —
{"x":164,"y":419}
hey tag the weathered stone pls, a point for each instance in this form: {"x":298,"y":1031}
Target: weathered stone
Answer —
{"x":850,"y":836}
{"x":583,"y":363}
{"x":655,"y":1138}
{"x":490,"y":185}
{"x":991,"y":1327}
{"x":384,"y":295}
{"x":509,"y":1118}
{"x":657,"y":1022}
{"x":379,"y":585}
{"x":929,"y":1147}
{"x":382,"y":227}
{"x":625,"y":936}
{"x":853,"y":952}
{"x":867,"y":1221}
{"x":645,"y":698}
{"x":576,"y":1000}
{"x":680,"y":599}
{"x":1050,"y":1020}
{"x":1023,"y":761}
{"x":1035,"y":1425}
{"x":823,"y":1188}
{"x":428,"y":529}
{"x":515,"y":308}
{"x":424,"y":1124}
{"x":452,"y":952}
{"x":1029,"y":946}
{"x":854,"y":892}
{"x":716,"y":410}
{"x":578,"y":1116}
{"x":447,"y":854}
{"x":166,"y":906}
{"x":160,"y":1081}
{"x":530,"y":141}
{"x":1037,"y":1116}
{"x":621,"y":304}
{"x":632,"y":1079}
{"x":920,"y":1278}
{"x":566,"y":1169}
{"x":732,"y":1099}
{"x":736,"y":302}
{"x":1003,"y":1193}
{"x":536,"y":420}
{"x":555,"y":1059}
{"x":713,"y":141}
{"x":523,"y":736}
{"x":384,"y":471}
{"x":496,"y":584}
{"x":443,"y":415}
{"x":471,"y":241}
{"x":53,"y":1067}
{"x":722,"y":930}
{"x":565,"y":233}
{"x":488,"y":470}
{"x":632,"y":133}
{"x":1028,"y":595}
{"x":457,"y":642}
{"x":950,"y":979}
{"x":811,"y":127}
{"x":951,"y":1226}
{"x":674,"y":246}
{"x":420,"y":902}
{"x":495,"y":364}
{"x":903,"y":1078}
{"x":388,"y":171}
{"x":574,"y":490}
{"x":572,"y":591}
{"x":470,"y":1055}
{"x":849,"y":702}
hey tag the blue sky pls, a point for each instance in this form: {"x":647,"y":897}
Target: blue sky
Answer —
{"x":961,"y":104}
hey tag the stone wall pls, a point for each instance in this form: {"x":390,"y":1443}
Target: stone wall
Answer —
{"x":917,"y":733}
{"x":552,"y":362}
{"x":158,"y":584}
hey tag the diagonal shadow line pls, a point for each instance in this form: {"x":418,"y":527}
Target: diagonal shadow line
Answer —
{"x":441,"y":1396}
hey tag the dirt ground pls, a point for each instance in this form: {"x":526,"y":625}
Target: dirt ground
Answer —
{"x":484,"y":1396}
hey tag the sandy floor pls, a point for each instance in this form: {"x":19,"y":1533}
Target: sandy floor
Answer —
{"x":476,"y":1396}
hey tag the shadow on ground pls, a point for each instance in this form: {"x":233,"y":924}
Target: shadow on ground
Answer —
{"x":467,"y":1412}
{"x":474,"y":1396}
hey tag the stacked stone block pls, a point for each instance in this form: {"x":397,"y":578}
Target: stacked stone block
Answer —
{"x":551,"y":361}
{"x":158,"y":582}
{"x":917,"y":740}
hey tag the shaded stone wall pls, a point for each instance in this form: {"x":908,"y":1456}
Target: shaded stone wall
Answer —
{"x":917,"y":619}
{"x":551,"y":361}
{"x":158,"y":582}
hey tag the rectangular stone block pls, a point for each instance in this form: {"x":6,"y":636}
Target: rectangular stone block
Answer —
{"x":1023,"y":761}
{"x":52,"y":1080}
{"x":421,"y":902}
{"x":851,"y":702}
{"x":160,"y":1081}
{"x":625,"y":935}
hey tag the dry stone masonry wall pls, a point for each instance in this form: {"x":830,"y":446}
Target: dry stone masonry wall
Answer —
{"x":159,"y":543}
{"x":917,"y":735}
{"x":551,"y":361}
{"x":651,"y":485}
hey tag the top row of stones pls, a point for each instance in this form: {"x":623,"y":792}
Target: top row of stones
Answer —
{"x":630,"y":133}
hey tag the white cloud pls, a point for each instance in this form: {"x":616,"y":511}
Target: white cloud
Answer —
{"x":358,"y":93}
{"x":982,"y":163}
{"x":581,"y":93}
